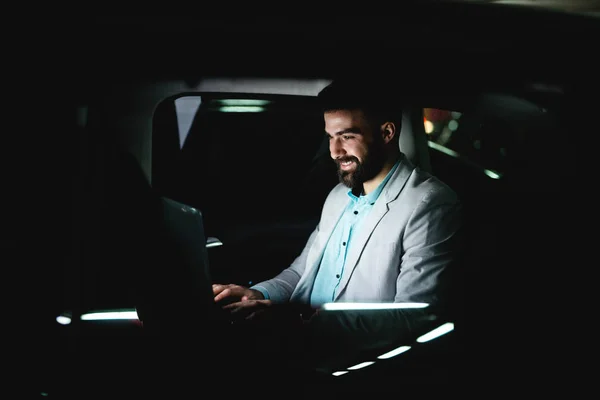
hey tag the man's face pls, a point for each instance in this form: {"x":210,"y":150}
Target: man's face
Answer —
{"x":357,"y":150}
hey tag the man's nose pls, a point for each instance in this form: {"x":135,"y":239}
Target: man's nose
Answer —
{"x":335,"y":148}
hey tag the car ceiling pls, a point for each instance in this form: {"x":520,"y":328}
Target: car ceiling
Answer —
{"x":591,"y":7}
{"x":470,"y":36}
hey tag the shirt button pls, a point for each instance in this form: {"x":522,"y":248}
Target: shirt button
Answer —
{"x":343,"y":243}
{"x":338,"y":276}
{"x":355,"y":212}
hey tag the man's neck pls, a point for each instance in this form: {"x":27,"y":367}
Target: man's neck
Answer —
{"x":372,"y":184}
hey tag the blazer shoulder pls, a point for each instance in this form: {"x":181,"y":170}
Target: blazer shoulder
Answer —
{"x":431,"y":188}
{"x":337,"y":193}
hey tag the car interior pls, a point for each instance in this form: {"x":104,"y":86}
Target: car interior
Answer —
{"x":190,"y":161}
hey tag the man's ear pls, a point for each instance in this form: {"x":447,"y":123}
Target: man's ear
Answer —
{"x":388,"y":131}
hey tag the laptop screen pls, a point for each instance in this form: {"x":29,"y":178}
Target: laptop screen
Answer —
{"x":178,"y":282}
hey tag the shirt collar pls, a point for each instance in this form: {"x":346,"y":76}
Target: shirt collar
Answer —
{"x":372,"y":197}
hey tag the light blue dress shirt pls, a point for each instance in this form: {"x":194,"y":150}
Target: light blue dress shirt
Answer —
{"x":331,"y":269}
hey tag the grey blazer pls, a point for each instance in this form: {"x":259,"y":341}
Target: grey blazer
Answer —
{"x":408,"y":240}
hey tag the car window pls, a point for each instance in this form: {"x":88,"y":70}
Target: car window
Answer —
{"x":482,"y":142}
{"x":257,"y":149}
{"x":249,"y":163}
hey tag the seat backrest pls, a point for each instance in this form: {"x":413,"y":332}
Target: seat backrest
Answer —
{"x":413,"y":139}
{"x":159,"y":245}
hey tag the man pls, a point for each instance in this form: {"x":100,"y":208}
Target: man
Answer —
{"x":388,"y":232}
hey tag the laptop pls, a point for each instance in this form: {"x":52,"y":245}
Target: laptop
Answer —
{"x":178,"y":286}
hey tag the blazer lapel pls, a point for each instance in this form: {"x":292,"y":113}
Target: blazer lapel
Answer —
{"x":381,"y":207}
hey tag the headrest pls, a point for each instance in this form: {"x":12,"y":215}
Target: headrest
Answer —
{"x":413,"y":139}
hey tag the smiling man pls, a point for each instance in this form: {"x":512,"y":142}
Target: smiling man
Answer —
{"x":389,"y":231}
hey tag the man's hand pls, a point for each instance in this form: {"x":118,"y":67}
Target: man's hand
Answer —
{"x":240,"y":301}
{"x":249,"y":309}
{"x":238,"y":292}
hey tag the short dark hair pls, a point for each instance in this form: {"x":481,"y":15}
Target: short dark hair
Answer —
{"x":377,"y":100}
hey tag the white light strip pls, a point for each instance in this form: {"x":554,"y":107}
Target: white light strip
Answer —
{"x":443,"y":149}
{"x":243,"y":102}
{"x":492,"y":174}
{"x":63,"y":320}
{"x":371,"y":306}
{"x":437,"y":332}
{"x":361,"y":365}
{"x":394,"y":352}
{"x":339,"y":373}
{"x":241,"y":109}
{"x":213,"y":244}
{"x":110,"y":315}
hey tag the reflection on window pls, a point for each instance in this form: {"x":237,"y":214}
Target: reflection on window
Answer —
{"x":185,"y":111}
{"x":477,"y":141}
{"x":440,"y":124}
{"x":230,"y":139}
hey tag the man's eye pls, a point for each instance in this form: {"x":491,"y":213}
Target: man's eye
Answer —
{"x":347,"y":137}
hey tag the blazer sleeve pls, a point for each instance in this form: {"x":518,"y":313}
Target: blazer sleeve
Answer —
{"x":279,"y":289}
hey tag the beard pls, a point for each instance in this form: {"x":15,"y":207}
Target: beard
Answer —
{"x":364,"y":170}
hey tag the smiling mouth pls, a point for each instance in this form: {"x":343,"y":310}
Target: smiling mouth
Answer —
{"x":345,"y":164}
